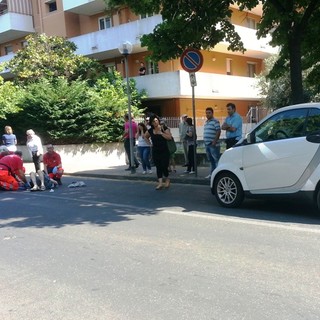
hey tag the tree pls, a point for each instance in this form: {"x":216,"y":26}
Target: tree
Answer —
{"x":294,"y":26}
{"x":63,"y":111}
{"x":192,"y":23}
{"x":10,"y":96}
{"x":50,"y":57}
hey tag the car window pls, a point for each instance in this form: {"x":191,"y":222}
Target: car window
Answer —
{"x":283,"y":125}
{"x":313,"y":120}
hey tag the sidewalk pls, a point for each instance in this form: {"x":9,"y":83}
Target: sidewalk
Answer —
{"x":118,"y":172}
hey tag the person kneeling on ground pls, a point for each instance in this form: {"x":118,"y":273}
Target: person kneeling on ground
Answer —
{"x":52,"y":164}
{"x":41,"y":182}
{"x":12,"y":175}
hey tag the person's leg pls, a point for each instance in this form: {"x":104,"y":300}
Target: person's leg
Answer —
{"x":165,"y":158}
{"x":185,"y":151}
{"x":36,"y":161}
{"x":146,"y":157}
{"x":34,"y":181}
{"x":127,"y":150}
{"x":41,"y":177}
{"x":136,"y":162}
{"x":213,"y":155}
{"x":141,"y":154}
{"x":191,"y":158}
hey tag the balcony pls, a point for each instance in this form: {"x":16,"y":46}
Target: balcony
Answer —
{"x":209,"y":86}
{"x":14,"y":26}
{"x":255,"y":48}
{"x":104,"y":44}
{"x":84,"y":7}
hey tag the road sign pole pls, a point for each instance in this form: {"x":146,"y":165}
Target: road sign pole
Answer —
{"x":194,"y":133}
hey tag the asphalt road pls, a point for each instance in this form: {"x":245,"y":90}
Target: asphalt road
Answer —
{"x":120,"y":250}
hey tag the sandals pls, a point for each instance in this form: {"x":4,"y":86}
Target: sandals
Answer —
{"x":159,"y":187}
{"x":35,"y":188}
{"x":167,"y":183}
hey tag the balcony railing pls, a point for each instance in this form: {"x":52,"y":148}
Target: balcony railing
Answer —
{"x":209,"y":86}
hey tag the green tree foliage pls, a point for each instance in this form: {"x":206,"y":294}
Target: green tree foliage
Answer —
{"x":276,"y":92}
{"x":50,"y":57}
{"x":198,"y":24}
{"x":64,"y":112}
{"x":294,"y":26}
{"x":10,"y":96}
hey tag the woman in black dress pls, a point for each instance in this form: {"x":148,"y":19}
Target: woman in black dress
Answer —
{"x":159,"y":135}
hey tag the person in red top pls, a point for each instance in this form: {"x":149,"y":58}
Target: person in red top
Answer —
{"x":12,"y":172}
{"x":52,"y":164}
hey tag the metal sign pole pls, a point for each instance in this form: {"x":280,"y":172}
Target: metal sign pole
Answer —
{"x":194,"y":134}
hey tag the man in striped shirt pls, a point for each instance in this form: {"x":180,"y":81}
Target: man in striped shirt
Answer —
{"x":211,"y":135}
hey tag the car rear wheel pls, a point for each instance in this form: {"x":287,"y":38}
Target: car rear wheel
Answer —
{"x":318,"y":198}
{"x":228,"y":190}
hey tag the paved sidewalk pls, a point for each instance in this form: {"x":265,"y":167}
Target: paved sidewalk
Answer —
{"x":119,"y":172}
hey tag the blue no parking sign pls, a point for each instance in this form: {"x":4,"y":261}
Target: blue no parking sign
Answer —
{"x":191,"y":60}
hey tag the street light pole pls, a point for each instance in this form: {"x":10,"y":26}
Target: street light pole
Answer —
{"x":125,"y":49}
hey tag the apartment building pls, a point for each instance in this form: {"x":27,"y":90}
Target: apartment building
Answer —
{"x":225,"y":76}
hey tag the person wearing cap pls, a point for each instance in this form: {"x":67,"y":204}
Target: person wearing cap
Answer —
{"x":12,"y":172}
{"x":183,"y":126}
{"x":52,"y":164}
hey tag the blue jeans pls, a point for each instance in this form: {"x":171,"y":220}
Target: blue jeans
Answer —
{"x":144,"y":157}
{"x":213,"y":154}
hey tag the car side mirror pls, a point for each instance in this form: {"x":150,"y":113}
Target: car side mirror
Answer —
{"x":251,"y":138}
{"x":314,"y":137}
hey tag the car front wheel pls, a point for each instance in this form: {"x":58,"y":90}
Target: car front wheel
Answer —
{"x":228,"y":190}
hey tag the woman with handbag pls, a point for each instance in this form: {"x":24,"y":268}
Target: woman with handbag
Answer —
{"x":160,"y":152}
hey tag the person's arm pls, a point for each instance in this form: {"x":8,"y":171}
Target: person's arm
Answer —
{"x":147,"y":137}
{"x":216,"y":138}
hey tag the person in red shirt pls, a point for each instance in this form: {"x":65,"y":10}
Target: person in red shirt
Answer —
{"x":52,"y":164}
{"x":12,"y":172}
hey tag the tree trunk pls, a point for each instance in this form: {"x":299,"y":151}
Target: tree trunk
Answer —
{"x":297,"y":95}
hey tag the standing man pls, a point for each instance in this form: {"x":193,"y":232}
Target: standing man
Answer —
{"x":233,"y":126}
{"x":142,"y":69}
{"x":52,"y":164}
{"x":211,"y":135}
{"x":126,"y":137}
{"x":183,"y":126}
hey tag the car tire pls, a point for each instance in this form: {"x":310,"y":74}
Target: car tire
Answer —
{"x":228,"y":190}
{"x":317,"y":198}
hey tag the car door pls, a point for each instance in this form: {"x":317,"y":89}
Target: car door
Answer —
{"x":280,"y":153}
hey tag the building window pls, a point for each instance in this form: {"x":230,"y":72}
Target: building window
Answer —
{"x":251,"y":67}
{"x":251,"y":23}
{"x":8,"y":49}
{"x":104,"y":23}
{"x":153,"y":67}
{"x":52,"y":5}
{"x":24,"y":43}
{"x":229,"y":66}
{"x":146,"y":15}
{"x":110,"y":67}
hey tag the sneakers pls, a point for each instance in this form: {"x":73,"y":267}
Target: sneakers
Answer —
{"x":150,"y":171}
{"x":35,"y":188}
{"x":191,"y":172}
{"x":144,"y":172}
{"x":42,"y":188}
{"x":208,"y":176}
{"x":77,"y":184}
{"x":186,"y":171}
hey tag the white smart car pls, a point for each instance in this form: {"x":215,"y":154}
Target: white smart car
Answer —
{"x":280,"y":156}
